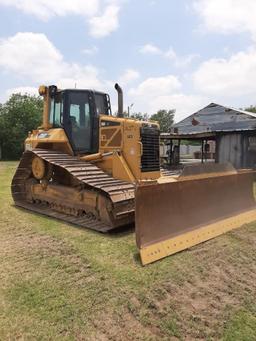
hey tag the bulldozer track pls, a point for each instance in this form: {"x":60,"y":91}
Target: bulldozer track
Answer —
{"x":87,"y":174}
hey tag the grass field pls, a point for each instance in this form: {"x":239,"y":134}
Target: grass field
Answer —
{"x":59,"y":282}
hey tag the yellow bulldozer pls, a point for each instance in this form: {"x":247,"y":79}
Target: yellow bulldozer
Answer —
{"x":99,"y":171}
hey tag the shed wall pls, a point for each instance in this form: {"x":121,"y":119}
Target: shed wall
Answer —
{"x":237,"y":148}
{"x":230,"y":149}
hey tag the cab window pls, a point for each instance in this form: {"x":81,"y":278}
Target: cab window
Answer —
{"x":56,"y":111}
{"x":102,"y":104}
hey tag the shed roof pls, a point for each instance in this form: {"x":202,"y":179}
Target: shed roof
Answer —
{"x":216,"y":118}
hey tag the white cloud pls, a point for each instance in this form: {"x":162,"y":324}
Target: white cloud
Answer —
{"x":103,"y":25}
{"x":171,"y":54}
{"x":230,"y":77}
{"x":178,"y":61}
{"x":228,"y":16}
{"x":128,"y":76}
{"x":46,"y":9}
{"x":100,"y":15}
{"x":31,"y":56}
{"x":150,"y":49}
{"x":156,"y":86}
{"x":90,"y":51}
{"x":184,"y":104}
{"x":23,"y":90}
{"x":164,"y":93}
{"x":80,"y":77}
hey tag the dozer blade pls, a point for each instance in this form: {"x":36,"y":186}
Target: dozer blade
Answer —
{"x":174,"y":216}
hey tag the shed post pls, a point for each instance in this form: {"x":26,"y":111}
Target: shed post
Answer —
{"x":179,"y":152}
{"x":205,"y":150}
{"x":202,"y":151}
{"x":170,"y":153}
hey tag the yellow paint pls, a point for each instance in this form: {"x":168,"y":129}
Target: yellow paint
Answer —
{"x":130,"y":148}
{"x":38,"y":168}
{"x":91,"y":157}
{"x":44,"y":91}
{"x":104,"y":131}
{"x":156,"y":251}
{"x":56,"y":140}
{"x":106,"y":164}
{"x":120,"y":169}
{"x":66,"y":196}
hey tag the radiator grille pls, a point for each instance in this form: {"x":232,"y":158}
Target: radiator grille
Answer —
{"x":150,"y":161}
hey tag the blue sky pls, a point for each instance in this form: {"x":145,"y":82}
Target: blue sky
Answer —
{"x":166,"y":54}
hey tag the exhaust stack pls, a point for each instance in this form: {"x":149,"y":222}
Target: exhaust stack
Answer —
{"x":119,"y":90}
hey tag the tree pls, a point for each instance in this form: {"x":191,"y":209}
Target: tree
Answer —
{"x":251,"y":108}
{"x":139,"y":116}
{"x":165,"y":118}
{"x":19,"y":115}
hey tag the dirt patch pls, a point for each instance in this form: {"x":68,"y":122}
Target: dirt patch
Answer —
{"x":199,"y":307}
{"x":34,"y":252}
{"x":202,"y":304}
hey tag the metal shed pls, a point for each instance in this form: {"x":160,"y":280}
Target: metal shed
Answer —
{"x":234,"y":132}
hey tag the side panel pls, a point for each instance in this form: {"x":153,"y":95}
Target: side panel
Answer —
{"x":168,"y":211}
{"x":124,"y":136}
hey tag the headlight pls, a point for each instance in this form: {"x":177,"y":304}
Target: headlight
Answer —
{"x":43,"y":135}
{"x":28,"y":146}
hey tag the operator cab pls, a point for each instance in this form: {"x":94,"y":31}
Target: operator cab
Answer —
{"x":77,"y":112}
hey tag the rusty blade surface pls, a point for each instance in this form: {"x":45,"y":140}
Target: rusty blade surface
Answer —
{"x":164,"y":211}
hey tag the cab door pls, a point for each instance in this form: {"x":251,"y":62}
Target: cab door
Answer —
{"x":78,"y":120}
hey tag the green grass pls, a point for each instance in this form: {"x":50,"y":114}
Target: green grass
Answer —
{"x":242,"y":326}
{"x":60,"y":282}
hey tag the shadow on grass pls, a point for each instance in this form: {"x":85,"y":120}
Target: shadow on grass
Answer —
{"x":116,"y":233}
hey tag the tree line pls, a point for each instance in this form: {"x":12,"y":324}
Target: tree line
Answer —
{"x":165,"y":118}
{"x":23,"y":113}
{"x":19,"y":115}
